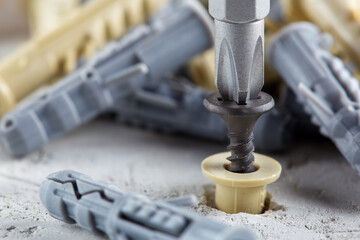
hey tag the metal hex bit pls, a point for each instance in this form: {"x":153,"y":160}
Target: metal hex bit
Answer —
{"x":239,"y":47}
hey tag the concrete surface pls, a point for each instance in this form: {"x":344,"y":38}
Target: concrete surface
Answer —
{"x":317,"y":196}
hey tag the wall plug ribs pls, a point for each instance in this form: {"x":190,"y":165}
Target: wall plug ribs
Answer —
{"x":141,"y":59}
{"x":103,"y":209}
{"x":322,"y":84}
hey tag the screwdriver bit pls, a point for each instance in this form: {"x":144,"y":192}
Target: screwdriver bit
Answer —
{"x":239,"y":47}
{"x":101,"y":208}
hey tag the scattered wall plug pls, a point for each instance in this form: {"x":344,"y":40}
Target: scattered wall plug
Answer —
{"x":72,"y":197}
{"x":143,"y":57}
{"x":276,"y":130}
{"x":46,"y":15}
{"x":201,"y":70}
{"x":322,"y":84}
{"x":340,"y":18}
{"x":174,"y":106}
{"x":50,"y":56}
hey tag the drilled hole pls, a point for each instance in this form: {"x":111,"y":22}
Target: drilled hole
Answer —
{"x":272,"y":206}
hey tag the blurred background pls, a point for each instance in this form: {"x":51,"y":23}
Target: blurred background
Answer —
{"x":317,"y":194}
{"x":13,"y":18}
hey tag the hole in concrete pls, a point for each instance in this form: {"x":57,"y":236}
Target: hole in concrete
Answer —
{"x":220,"y":99}
{"x":272,"y":205}
{"x":210,"y":195}
{"x":267,"y":202}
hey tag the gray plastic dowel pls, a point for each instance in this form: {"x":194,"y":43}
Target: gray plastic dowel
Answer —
{"x":72,"y":197}
{"x":273,"y":131}
{"x":174,"y":106}
{"x":321,"y":83}
{"x":142,"y":58}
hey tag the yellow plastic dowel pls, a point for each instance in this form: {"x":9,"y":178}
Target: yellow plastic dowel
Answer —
{"x":240,"y":192}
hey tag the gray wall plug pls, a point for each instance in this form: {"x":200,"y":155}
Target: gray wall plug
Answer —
{"x":72,"y":197}
{"x":321,"y":83}
{"x":144,"y":56}
{"x":175,"y":105}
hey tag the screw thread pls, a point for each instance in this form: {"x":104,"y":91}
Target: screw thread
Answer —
{"x":242,"y":157}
